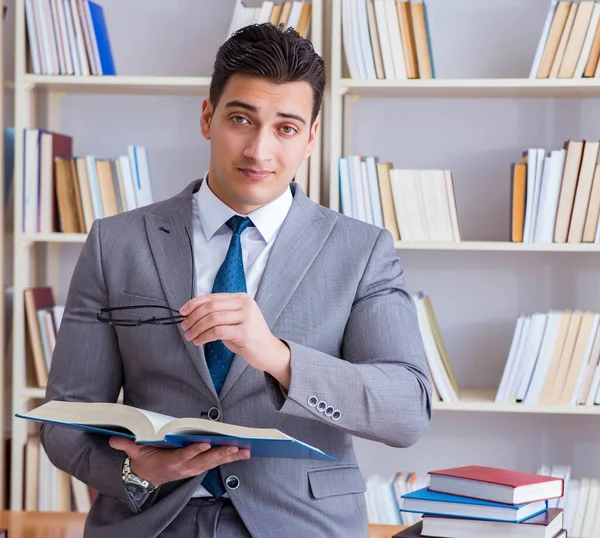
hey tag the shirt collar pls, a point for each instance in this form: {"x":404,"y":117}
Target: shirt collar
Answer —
{"x":214,"y":213}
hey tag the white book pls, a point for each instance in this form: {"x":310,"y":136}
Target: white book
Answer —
{"x":591,"y":506}
{"x":529,"y":200}
{"x":84,"y":61}
{"x":350,"y":52}
{"x":501,"y":393}
{"x":58,"y":40}
{"x":539,"y":168}
{"x":532,"y":350}
{"x":543,"y":361}
{"x":141,"y":172}
{"x":549,"y":197}
{"x":404,"y":205}
{"x":72,"y":40}
{"x":395,"y":39}
{"x":543,"y":39}
{"x":366,"y":191}
{"x":33,"y":38}
{"x":265,"y":11}
{"x":586,"y":359}
{"x":48,"y":42}
{"x":384,"y":39}
{"x":375,"y":196}
{"x":365,"y":39}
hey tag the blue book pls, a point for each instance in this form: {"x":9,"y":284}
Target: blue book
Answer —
{"x":163,"y":431}
{"x":425,"y":501}
{"x":102,"y":40}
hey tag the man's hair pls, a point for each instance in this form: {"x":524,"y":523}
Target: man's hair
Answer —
{"x":270,"y":52}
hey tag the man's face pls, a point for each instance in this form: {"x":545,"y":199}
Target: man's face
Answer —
{"x":259,"y":134}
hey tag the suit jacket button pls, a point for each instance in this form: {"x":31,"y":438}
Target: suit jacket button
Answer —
{"x":329,"y":411}
{"x":214,"y":413}
{"x":336,"y":415}
{"x":322,"y":406}
{"x":232,"y":481}
{"x":313,"y":401}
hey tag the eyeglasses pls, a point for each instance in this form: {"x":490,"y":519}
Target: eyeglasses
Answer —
{"x":136,"y":315}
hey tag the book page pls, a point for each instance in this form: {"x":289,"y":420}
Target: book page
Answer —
{"x":199,"y":426}
{"x":158,"y":420}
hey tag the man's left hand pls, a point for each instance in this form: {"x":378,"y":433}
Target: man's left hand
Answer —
{"x":236,"y":319}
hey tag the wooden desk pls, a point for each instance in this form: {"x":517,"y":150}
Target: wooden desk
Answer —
{"x":70,"y":525}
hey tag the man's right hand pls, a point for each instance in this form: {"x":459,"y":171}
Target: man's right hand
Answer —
{"x":159,"y":466}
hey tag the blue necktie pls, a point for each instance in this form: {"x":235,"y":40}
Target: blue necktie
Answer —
{"x":230,"y":279}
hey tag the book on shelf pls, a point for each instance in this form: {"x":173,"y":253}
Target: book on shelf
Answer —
{"x":553,"y":360}
{"x":445,"y":387}
{"x":163,"y":431}
{"x":68,"y":37}
{"x":43,"y":318}
{"x":475,"y":500}
{"x":387,"y":39}
{"x":414,"y":205}
{"x":569,"y":45}
{"x":555,"y":195}
{"x":295,"y":14}
{"x":63,"y":192}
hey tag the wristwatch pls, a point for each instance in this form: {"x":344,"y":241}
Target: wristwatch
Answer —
{"x":137,"y":488}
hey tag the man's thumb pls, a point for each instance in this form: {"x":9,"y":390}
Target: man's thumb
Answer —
{"x":122,"y":443}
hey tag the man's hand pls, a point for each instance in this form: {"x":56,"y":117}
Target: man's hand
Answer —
{"x":159,"y":466}
{"x":236,"y":319}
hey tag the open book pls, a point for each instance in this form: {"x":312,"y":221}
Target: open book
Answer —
{"x":147,"y":427}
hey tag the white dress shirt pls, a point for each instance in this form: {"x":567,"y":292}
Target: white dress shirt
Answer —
{"x":212,"y":237}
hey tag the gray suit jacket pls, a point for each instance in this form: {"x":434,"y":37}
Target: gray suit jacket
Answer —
{"x":333,"y":290}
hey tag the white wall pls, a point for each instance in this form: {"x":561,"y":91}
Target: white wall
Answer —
{"x":477,"y":296}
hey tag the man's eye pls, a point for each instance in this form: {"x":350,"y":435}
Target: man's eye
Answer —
{"x":288,"y":129}
{"x":239,"y":119}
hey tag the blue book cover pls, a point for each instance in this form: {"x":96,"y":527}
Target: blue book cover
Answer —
{"x":151,"y":428}
{"x":425,"y":501}
{"x":101,"y":31}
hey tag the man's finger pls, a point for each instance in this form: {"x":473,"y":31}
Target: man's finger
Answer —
{"x":194,"y":303}
{"x":131,"y":448}
{"x":216,"y":319}
{"x":212,"y":307}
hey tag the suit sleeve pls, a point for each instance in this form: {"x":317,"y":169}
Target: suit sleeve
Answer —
{"x":86,"y":366}
{"x":385,"y":391}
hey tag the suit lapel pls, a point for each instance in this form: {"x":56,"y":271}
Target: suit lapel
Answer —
{"x":300,"y":239}
{"x":173,"y":257}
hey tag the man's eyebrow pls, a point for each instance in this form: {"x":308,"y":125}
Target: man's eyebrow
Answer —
{"x":252,"y":108}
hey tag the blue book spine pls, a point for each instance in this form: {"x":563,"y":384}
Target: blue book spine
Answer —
{"x":100,"y":29}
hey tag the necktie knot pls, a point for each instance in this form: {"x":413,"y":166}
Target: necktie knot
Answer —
{"x":239,"y":224}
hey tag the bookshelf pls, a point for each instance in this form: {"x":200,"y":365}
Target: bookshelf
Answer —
{"x":39,"y":101}
{"x":481,"y":105}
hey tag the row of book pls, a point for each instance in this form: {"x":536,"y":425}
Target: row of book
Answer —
{"x":555,"y":195}
{"x":295,"y":14}
{"x":474,"y":501}
{"x":569,"y":46}
{"x":49,"y":489}
{"x":66,"y":193}
{"x":68,"y":37}
{"x":387,"y":39}
{"x":553,"y":359}
{"x":414,"y":205}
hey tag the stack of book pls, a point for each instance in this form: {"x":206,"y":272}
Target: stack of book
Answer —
{"x":476,"y":501}
{"x":569,"y":46}
{"x":555,"y":195}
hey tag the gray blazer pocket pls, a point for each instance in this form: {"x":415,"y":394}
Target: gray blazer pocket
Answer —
{"x":330,"y":481}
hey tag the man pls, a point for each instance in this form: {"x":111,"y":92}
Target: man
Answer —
{"x":296,"y":318}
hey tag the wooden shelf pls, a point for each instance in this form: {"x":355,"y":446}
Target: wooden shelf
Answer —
{"x":34,"y":393}
{"x":119,"y":84}
{"x":498,"y":246}
{"x":482,"y":400}
{"x":491,"y":88}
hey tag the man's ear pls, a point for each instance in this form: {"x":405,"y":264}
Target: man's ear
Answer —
{"x":314,"y":128}
{"x":206,"y":118}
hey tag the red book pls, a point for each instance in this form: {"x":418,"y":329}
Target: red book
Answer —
{"x":497,"y":485}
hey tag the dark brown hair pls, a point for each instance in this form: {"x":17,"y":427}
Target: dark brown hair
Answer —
{"x":270,"y":52}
